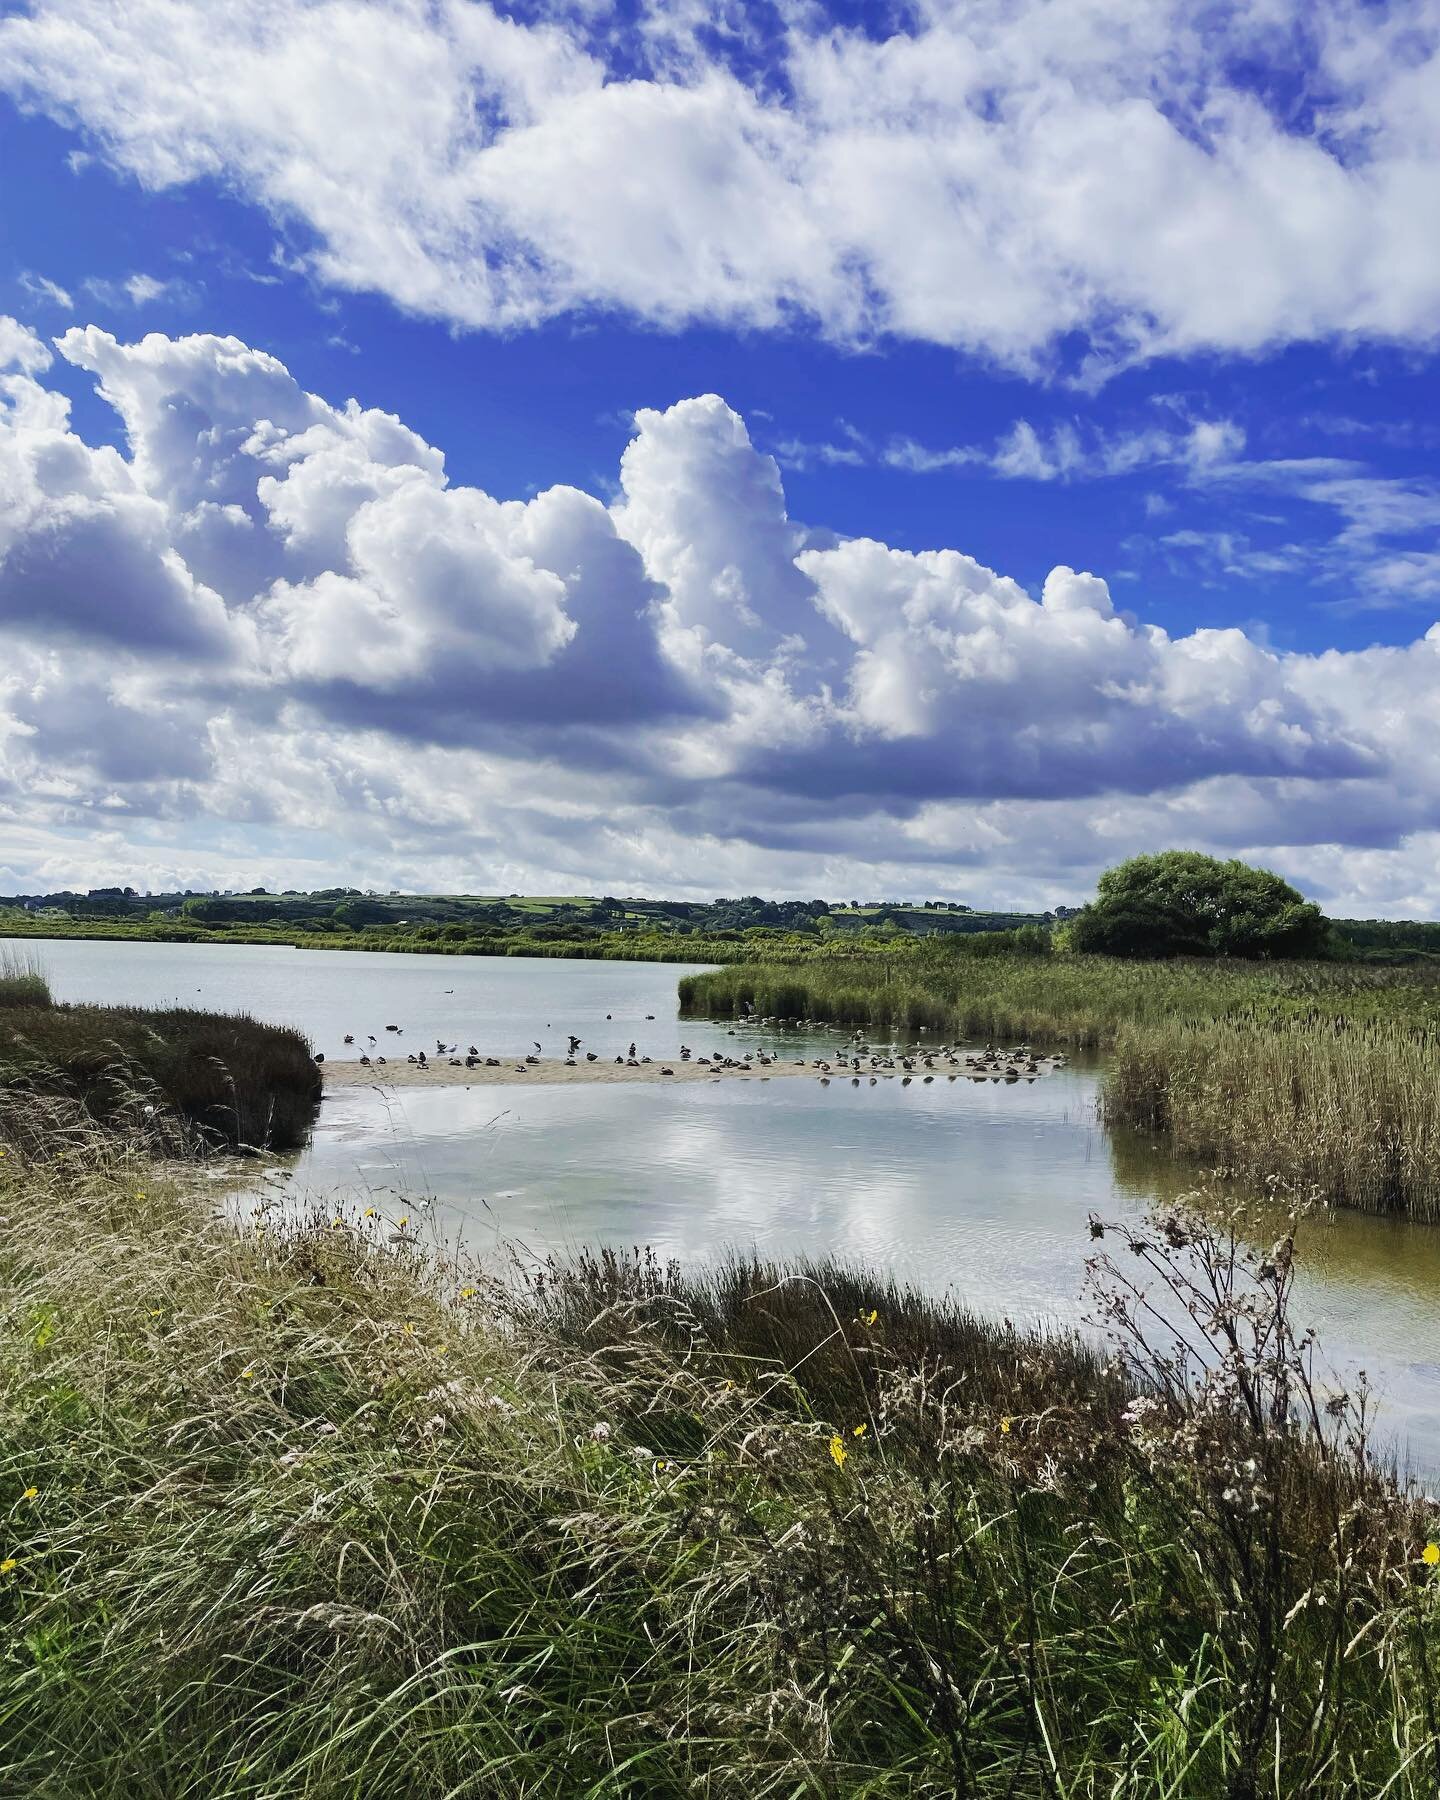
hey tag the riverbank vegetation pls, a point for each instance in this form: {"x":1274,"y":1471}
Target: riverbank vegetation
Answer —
{"x":1326,"y":1074}
{"x":309,"y":1512}
{"x":226,"y":1078}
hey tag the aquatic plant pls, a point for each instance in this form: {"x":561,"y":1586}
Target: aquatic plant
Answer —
{"x":588,"y":1533}
{"x":1325,"y":1073}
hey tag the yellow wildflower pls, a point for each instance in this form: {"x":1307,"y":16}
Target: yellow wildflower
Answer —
{"x":140,"y":1195}
{"x":247,"y":1374}
{"x":467,"y":1293}
{"x":403,"y":1220}
{"x":838,"y":1452}
{"x":1430,"y":1554}
{"x":1005,"y":1427}
{"x":155,"y":1312}
{"x":30,"y":1493}
{"x":873,"y":1317}
{"x":370,"y":1212}
{"x":860,"y":1431}
{"x":7,"y":1565}
{"x":409,"y":1329}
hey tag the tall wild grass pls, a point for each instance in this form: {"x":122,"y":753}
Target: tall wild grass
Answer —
{"x":1322,"y":1073}
{"x":1079,"y":1000}
{"x":22,"y":979}
{"x":1349,"y":1107}
{"x":310,"y":1512}
{"x":231,"y":1078}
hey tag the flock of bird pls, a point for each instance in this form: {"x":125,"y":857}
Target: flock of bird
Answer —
{"x":859,"y":1060}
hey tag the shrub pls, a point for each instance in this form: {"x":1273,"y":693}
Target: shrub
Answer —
{"x":1180,"y":903}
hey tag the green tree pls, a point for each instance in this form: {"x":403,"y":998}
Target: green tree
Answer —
{"x":1180,"y":903}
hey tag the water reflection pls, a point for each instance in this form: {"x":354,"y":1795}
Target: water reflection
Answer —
{"x":982,"y":1191}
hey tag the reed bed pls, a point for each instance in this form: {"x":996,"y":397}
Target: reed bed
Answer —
{"x":1078,"y":1000}
{"x":232,"y":1079}
{"x":1352,"y":1109}
{"x":1319,"y":1073}
{"x":313,"y":1512}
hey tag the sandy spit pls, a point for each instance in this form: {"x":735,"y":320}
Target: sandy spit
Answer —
{"x":545,"y":1071}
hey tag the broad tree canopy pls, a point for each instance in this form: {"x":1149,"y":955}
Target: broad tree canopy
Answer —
{"x":1180,"y":903}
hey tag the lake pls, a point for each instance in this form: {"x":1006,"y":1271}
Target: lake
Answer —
{"x":976,"y":1190}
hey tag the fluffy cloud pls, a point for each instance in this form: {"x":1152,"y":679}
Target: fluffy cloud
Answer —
{"x":272,"y":623}
{"x":1105,"y":172}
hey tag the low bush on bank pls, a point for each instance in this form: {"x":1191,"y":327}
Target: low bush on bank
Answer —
{"x":22,"y":980}
{"x":309,"y":1512}
{"x":233,"y":1079}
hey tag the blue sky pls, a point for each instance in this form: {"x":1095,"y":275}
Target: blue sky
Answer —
{"x":1094,"y":292}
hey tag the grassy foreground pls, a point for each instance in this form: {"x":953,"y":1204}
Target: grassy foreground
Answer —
{"x":311,"y":1512}
{"x":1325,"y":1074}
{"x":231,"y":1078}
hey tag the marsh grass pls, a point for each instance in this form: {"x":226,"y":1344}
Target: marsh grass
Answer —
{"x":312,"y":1512}
{"x":234,"y":1080}
{"x":1352,"y":1108}
{"x":22,"y":979}
{"x":1323,"y":1074}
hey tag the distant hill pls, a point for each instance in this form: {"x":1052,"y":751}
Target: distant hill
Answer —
{"x":350,"y":909}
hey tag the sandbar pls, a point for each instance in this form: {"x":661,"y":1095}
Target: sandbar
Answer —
{"x":545,"y":1071}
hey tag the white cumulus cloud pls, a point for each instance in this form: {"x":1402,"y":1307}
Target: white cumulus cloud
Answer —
{"x":274,"y":616}
{"x":1094,"y":169}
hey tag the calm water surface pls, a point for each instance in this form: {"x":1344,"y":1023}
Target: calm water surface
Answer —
{"x":980,"y":1191}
